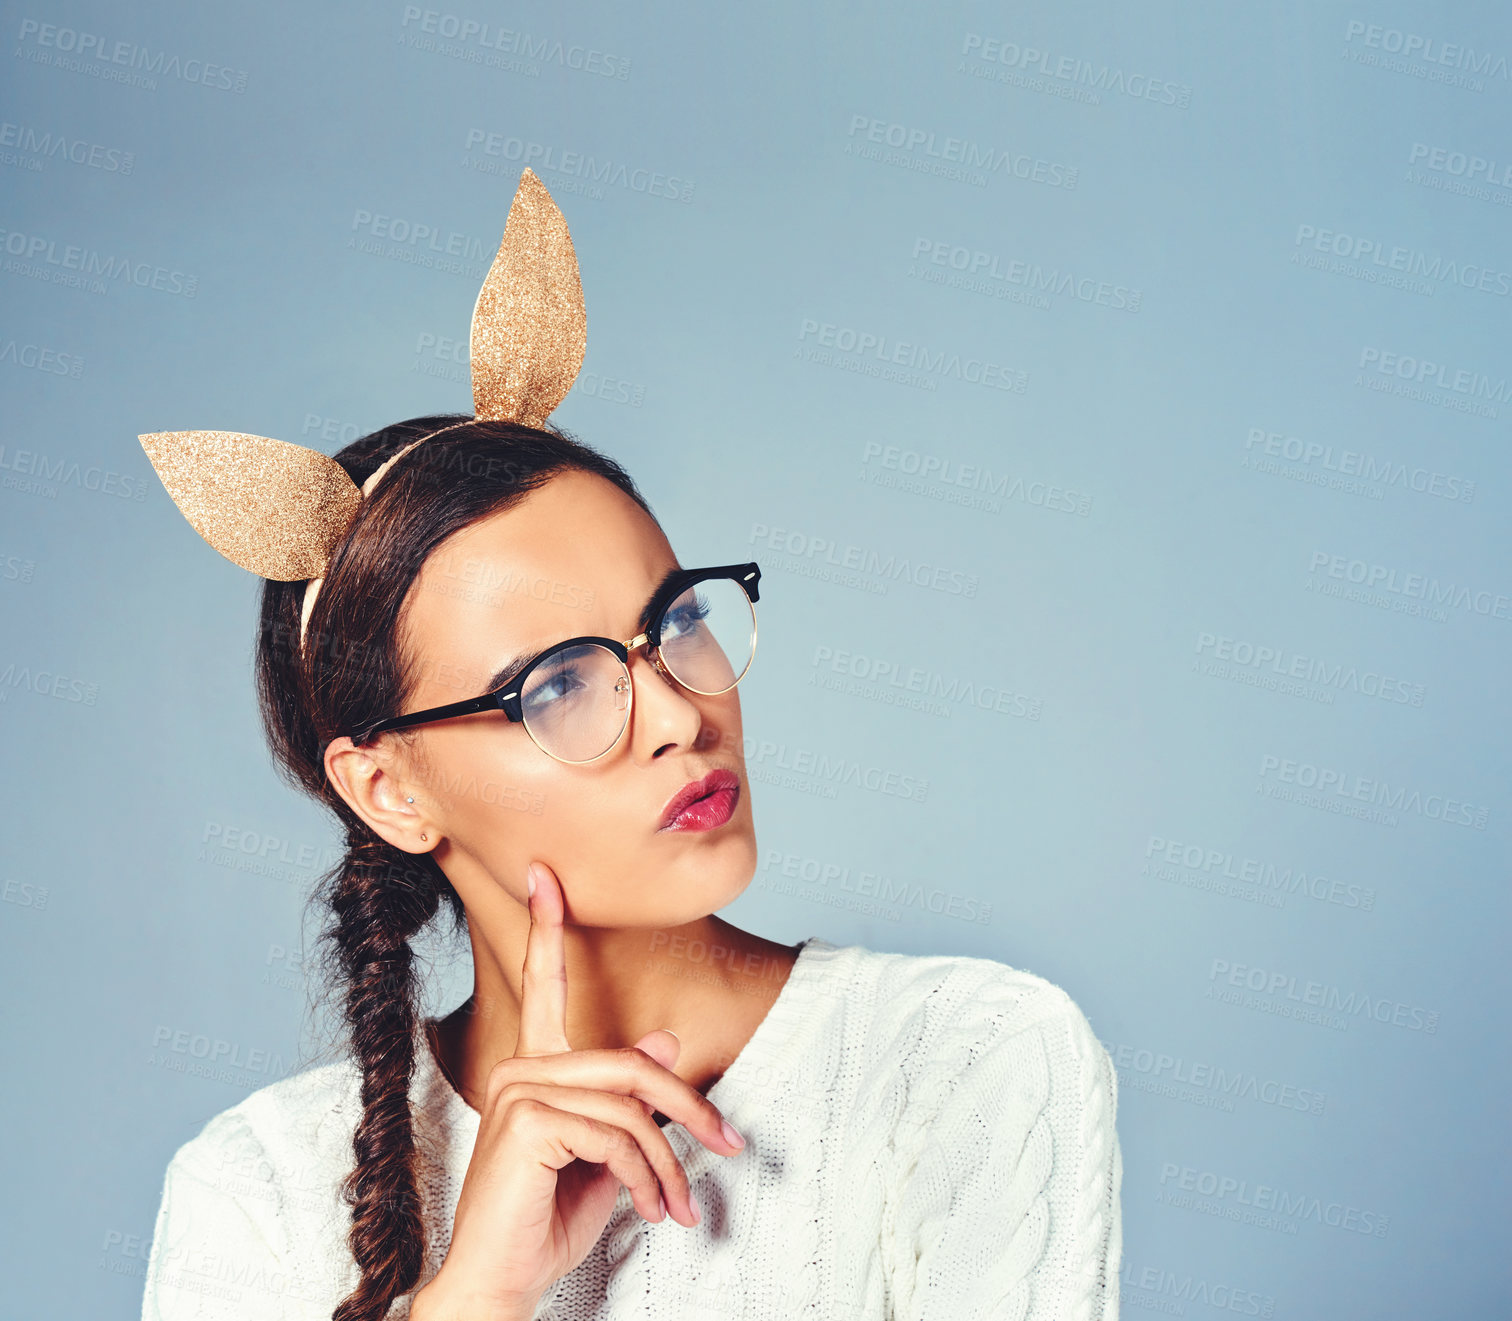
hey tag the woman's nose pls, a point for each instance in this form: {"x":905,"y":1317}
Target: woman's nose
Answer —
{"x":676,"y":721}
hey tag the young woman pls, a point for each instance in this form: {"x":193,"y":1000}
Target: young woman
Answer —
{"x":517,"y":701}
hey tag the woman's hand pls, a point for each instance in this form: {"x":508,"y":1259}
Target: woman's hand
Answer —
{"x":561,"y":1130}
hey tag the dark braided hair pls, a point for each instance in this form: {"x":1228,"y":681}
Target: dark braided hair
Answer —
{"x":351,"y":671}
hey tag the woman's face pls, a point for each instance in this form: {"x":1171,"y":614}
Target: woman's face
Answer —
{"x":576,"y":557}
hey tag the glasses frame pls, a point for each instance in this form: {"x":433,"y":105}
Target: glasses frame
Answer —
{"x":506,"y":697}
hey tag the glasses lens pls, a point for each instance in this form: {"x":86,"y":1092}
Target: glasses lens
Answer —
{"x":576,"y":704}
{"x":708,"y":636}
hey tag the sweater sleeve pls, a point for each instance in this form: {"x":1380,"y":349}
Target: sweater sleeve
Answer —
{"x":219,"y":1251}
{"x":1011,"y":1209}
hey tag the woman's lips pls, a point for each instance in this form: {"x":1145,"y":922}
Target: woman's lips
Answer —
{"x":704,"y":804}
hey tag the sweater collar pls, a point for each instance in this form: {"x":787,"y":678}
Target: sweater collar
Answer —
{"x":456,"y":1122}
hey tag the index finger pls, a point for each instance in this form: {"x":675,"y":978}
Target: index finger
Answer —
{"x":543,"y":980}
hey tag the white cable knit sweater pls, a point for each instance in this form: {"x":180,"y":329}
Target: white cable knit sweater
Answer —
{"x":927,"y":1136}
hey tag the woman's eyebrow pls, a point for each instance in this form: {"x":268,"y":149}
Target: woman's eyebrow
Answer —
{"x":511,"y":668}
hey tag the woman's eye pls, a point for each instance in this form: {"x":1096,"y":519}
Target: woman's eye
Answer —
{"x":685,"y":619}
{"x":560,"y":683}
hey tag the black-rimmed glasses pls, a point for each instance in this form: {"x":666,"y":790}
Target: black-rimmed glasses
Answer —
{"x":574,"y":698}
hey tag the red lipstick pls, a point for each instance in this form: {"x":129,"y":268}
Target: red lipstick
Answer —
{"x":702,"y":804}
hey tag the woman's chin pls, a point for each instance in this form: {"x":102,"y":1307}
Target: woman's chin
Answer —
{"x":678,"y":902}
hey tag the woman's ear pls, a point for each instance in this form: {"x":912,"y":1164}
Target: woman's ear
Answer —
{"x":366,"y":779}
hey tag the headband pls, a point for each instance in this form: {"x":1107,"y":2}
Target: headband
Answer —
{"x":281,"y":510}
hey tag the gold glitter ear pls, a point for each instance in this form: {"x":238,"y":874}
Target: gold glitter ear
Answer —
{"x":529,"y":327}
{"x":269,"y":506}
{"x":280,"y":510}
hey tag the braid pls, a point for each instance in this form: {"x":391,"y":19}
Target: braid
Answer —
{"x":382,"y":897}
{"x":348,"y":671}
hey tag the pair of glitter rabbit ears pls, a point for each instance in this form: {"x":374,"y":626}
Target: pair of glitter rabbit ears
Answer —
{"x":281,"y":510}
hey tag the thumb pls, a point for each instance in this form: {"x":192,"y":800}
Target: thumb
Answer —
{"x":663,"y":1045}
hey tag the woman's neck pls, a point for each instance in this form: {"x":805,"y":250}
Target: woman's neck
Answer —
{"x":711,"y":983}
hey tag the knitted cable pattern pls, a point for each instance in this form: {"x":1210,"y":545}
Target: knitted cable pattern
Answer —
{"x":787,"y":1112}
{"x":1009,"y":1170}
{"x":1097,"y":1185}
{"x":927,"y":1137}
{"x":979,"y":1150}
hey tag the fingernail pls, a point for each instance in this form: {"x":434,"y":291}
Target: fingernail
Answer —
{"x":662,"y":1203}
{"x":530,"y":884}
{"x":671,"y":1033}
{"x":731,"y":1136}
{"x":697,"y":1210}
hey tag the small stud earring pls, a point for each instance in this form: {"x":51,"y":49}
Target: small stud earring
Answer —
{"x":424,"y":836}
{"x":409,"y":800}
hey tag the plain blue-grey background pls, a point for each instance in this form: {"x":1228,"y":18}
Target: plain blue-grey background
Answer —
{"x":1190,"y":644}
